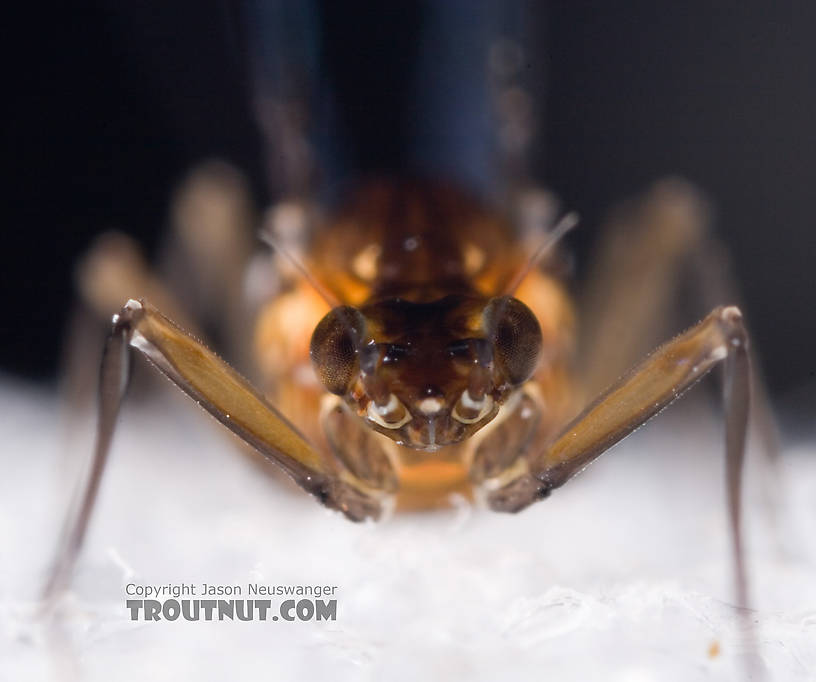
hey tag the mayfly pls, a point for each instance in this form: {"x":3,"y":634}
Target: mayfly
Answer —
{"x":423,"y":345}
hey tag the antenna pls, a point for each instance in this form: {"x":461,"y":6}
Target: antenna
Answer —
{"x":268,"y":236}
{"x":290,"y":220}
{"x":552,"y":237}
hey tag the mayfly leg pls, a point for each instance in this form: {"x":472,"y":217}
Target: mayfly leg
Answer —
{"x":228,"y":397}
{"x":641,"y":393}
{"x":649,"y":247}
{"x":651,"y":385}
{"x":113,"y":381}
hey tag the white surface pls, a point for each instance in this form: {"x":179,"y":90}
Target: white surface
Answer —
{"x":623,"y":574}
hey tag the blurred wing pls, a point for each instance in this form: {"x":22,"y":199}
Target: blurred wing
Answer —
{"x":447,"y":89}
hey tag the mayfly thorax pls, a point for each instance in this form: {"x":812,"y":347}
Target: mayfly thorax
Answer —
{"x":429,"y":375}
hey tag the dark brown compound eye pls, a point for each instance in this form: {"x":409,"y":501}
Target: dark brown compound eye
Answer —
{"x":516,"y":337}
{"x":334,"y":348}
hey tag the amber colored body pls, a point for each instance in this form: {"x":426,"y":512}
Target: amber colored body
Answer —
{"x":417,"y":242}
{"x":435,"y":359}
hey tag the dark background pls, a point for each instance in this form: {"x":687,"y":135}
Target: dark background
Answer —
{"x":109,"y":105}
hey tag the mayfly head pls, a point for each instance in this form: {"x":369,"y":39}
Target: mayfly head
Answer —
{"x":427,"y":374}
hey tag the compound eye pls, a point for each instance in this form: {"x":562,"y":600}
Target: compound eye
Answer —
{"x":469,"y":410}
{"x":392,"y":415}
{"x":333,"y":348}
{"x":516,"y":337}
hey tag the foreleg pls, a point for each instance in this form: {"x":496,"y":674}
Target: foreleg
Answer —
{"x":228,"y":397}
